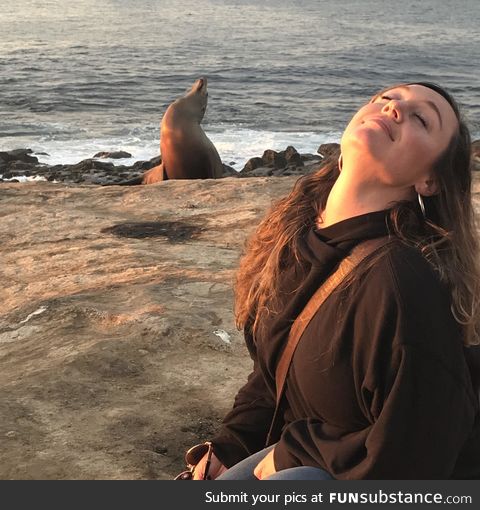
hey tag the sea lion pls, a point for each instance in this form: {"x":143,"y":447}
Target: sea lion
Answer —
{"x":187,"y":152}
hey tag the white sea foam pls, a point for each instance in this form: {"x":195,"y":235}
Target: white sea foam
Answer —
{"x":235,"y":145}
{"x":238,"y":145}
{"x":24,"y":178}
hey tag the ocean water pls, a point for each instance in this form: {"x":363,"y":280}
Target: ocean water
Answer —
{"x":93,"y":75}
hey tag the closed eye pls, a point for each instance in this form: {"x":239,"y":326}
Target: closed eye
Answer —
{"x":422,"y":120}
{"x":417,"y":115}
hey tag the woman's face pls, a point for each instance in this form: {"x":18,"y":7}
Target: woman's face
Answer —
{"x":398,"y":136}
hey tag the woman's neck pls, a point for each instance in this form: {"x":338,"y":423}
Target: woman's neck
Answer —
{"x":350,"y":197}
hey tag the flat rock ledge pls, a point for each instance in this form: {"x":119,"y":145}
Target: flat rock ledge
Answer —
{"x":117,"y":341}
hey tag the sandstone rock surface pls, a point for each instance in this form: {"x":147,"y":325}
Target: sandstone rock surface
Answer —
{"x":117,"y":341}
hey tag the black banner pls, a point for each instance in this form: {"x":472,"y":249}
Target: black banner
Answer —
{"x":243,"y":495}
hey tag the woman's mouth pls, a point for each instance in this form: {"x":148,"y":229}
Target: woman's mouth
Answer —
{"x":384,"y":125}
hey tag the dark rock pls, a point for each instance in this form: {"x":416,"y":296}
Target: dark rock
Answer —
{"x":20,"y":166}
{"x":57,"y":168}
{"x":263,"y":171}
{"x":311,"y":157}
{"x":252,"y":164}
{"x":312,"y":166}
{"x":228,"y":171}
{"x":135,"y":181}
{"x":18,"y":155}
{"x":293,"y":157}
{"x":142,"y":166}
{"x":328,"y":149}
{"x":156,"y":160}
{"x":87,"y":165}
{"x":273,"y":158}
{"x":113,"y":155}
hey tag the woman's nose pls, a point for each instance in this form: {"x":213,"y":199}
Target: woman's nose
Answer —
{"x":392,"y":109}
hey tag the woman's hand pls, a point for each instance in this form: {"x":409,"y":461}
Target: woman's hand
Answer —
{"x":265,"y":467}
{"x":216,"y":468}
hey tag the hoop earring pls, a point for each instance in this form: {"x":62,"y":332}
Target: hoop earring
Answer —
{"x":422,"y":205}
{"x":340,"y":162}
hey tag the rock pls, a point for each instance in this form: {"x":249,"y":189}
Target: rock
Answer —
{"x":273,"y":158}
{"x":113,"y":155}
{"x":155,"y":161}
{"x":21,"y":168}
{"x":261,"y":171}
{"x":142,"y":166}
{"x":135,"y":283}
{"x":228,"y":171}
{"x":251,"y":165}
{"x":312,"y":165}
{"x":287,"y":162}
{"x":88,"y":165}
{"x":327,"y":149}
{"x":311,"y":157}
{"x":293,"y":157}
{"x":22,"y":155}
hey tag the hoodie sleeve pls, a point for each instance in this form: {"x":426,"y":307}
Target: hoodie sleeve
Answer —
{"x":412,"y":384}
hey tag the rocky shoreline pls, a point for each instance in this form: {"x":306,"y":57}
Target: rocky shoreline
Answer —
{"x":22,"y":164}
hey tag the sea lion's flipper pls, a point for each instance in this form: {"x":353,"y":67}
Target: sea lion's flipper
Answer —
{"x":155,"y":174}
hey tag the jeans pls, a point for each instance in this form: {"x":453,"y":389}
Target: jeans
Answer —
{"x":244,"y":470}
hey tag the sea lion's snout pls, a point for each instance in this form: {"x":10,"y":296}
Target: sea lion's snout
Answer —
{"x":200,"y":85}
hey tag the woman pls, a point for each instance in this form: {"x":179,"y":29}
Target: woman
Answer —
{"x":379,"y":386}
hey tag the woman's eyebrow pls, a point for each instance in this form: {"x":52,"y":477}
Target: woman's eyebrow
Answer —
{"x":436,"y":110}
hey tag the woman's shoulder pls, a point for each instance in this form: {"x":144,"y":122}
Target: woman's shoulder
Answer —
{"x":405,"y":267}
{"x":402,"y":275}
{"x":404,"y":291}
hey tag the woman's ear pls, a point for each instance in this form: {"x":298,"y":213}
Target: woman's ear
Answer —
{"x":427,"y":187}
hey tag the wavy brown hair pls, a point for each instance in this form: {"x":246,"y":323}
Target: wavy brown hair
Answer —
{"x":447,"y":237}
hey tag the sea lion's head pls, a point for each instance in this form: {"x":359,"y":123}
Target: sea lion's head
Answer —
{"x":194,"y":103}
